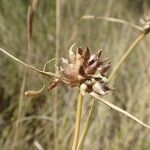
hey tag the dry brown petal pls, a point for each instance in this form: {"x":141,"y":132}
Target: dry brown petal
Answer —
{"x":99,"y":53}
{"x":103,"y":69}
{"x":86,"y":54}
{"x":79,"y":61}
{"x":81,"y":71}
{"x":92,"y":68}
{"x":103,"y":61}
{"x":71,"y":74}
{"x":92,"y":59}
{"x":79,"y":51}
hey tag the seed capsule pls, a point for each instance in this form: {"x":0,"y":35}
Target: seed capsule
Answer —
{"x":92,"y":68}
{"x":86,"y":54}
{"x":81,"y":71}
{"x":103,"y":69}
{"x":71,"y":74}
{"x":79,"y":51}
{"x":97,"y":88}
{"x":91,"y":59}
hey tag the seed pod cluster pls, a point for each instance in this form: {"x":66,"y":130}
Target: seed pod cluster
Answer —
{"x":86,"y":70}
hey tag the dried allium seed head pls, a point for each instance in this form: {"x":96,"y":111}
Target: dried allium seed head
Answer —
{"x":86,"y":71}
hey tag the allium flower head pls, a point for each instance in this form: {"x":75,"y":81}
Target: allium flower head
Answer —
{"x":85,"y":70}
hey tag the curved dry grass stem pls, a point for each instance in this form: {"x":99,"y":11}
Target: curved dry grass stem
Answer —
{"x":118,"y":109}
{"x":128,"y":51}
{"x":29,"y":118}
{"x":87,"y":125}
{"x":78,"y":119}
{"x":89,"y":17}
{"x":19,"y":113}
{"x":48,"y":74}
{"x":34,"y":92}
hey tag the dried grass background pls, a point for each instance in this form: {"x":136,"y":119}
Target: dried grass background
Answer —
{"x":109,"y":129}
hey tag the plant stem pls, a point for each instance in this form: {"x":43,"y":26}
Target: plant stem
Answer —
{"x":78,"y":119}
{"x":115,"y":20}
{"x":55,"y":127}
{"x":48,"y":74}
{"x":87,"y":125}
{"x":118,"y":109}
{"x":137,"y":41}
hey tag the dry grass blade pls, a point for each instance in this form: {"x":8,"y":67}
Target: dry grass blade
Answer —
{"x":36,"y":117}
{"x":55,"y":105}
{"x":128,"y":51}
{"x":30,"y":16}
{"x":118,"y":109}
{"x":48,"y":74}
{"x":86,"y":17}
{"x":34,"y":5}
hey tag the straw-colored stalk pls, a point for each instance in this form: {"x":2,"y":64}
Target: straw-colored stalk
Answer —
{"x":78,"y":119}
{"x":30,"y":15}
{"x":86,"y":125}
{"x":118,"y":109}
{"x":56,"y":147}
{"x":91,"y":17}
{"x":128,"y":51}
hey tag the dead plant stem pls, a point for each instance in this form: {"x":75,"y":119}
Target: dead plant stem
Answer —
{"x":87,"y":125}
{"x":78,"y":119}
{"x":128,"y":51}
{"x":118,"y":109}
{"x":56,"y":147}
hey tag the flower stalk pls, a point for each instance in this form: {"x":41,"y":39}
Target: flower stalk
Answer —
{"x":78,"y":120}
{"x":87,"y":125}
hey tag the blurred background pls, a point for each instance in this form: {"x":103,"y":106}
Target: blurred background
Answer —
{"x":109,"y":129}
